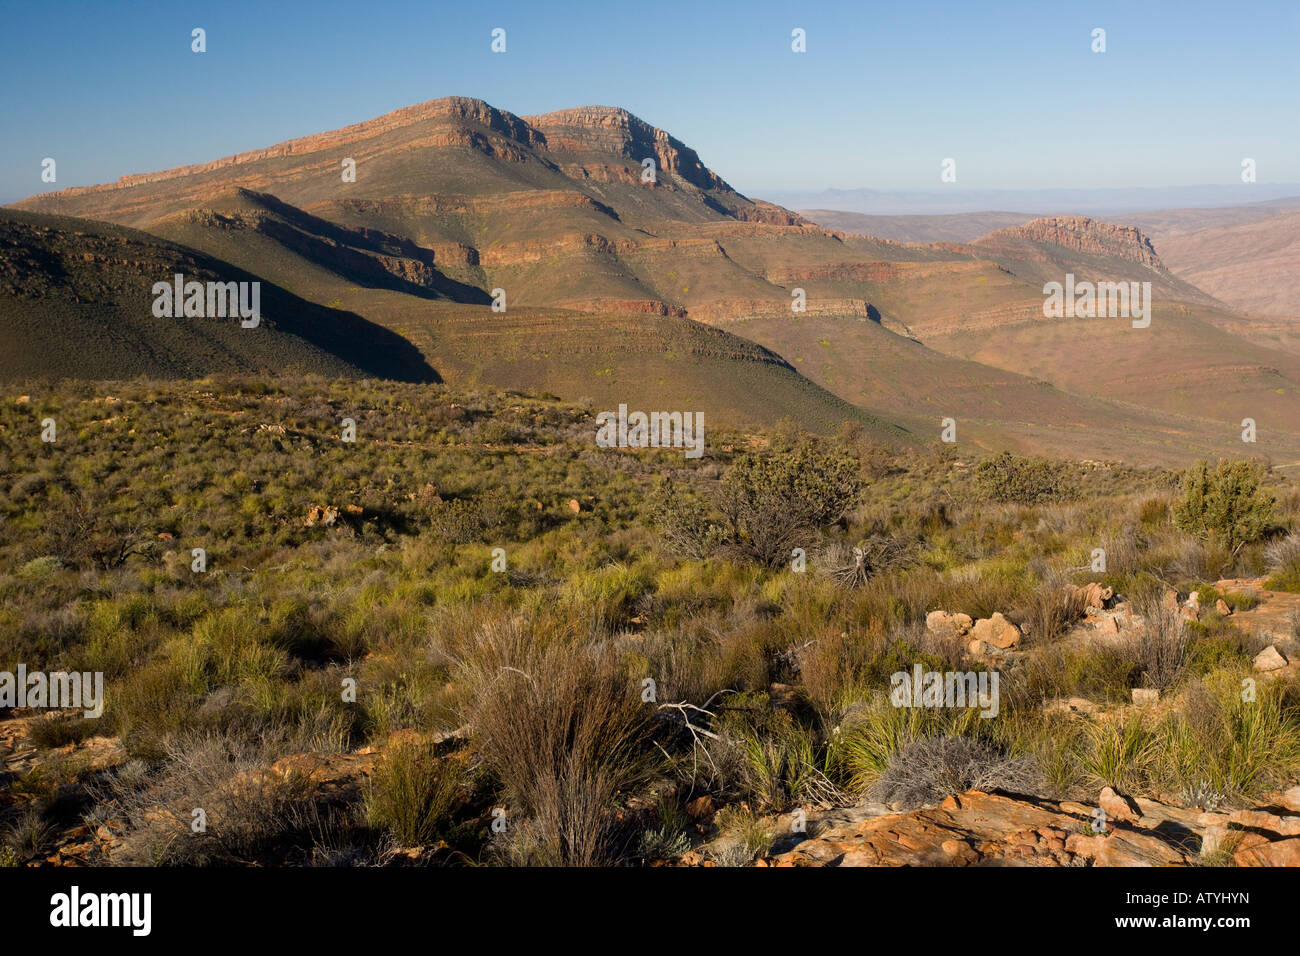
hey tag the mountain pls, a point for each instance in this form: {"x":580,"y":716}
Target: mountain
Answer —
{"x":1246,"y":257}
{"x":675,"y":289}
{"x":420,"y":259}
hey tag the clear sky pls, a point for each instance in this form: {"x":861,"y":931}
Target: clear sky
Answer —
{"x":885,"y":91}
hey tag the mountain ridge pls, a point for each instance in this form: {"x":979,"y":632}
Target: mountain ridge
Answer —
{"x":613,"y":277}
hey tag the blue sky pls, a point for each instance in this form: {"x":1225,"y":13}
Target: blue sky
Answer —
{"x":884,"y":92}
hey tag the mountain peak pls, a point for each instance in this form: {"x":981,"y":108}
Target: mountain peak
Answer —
{"x":585,"y":130}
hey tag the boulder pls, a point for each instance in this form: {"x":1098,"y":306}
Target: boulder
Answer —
{"x":1291,"y":799}
{"x":1118,"y":807}
{"x":996,"y":630}
{"x":982,"y":649}
{"x":940,"y":622}
{"x":1170,"y":600}
{"x":1222,"y":607}
{"x":1269,"y":659}
{"x":1092,"y":594}
{"x":1280,"y":853}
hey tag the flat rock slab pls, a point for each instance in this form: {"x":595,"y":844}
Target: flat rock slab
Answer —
{"x":1273,"y":615}
{"x":982,"y":829}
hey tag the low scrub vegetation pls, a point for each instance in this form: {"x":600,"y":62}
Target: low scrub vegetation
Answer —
{"x":471,"y":636}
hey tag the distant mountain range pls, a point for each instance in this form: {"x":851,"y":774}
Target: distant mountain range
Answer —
{"x":631,"y":272}
{"x":955,"y":199}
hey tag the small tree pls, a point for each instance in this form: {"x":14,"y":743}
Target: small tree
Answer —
{"x":1225,"y":504}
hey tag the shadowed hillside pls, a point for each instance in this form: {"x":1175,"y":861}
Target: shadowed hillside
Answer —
{"x":77,"y":302}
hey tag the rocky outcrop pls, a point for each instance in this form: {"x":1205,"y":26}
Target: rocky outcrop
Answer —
{"x":994,"y":829}
{"x":608,"y":129}
{"x":1079,"y":234}
{"x":985,"y":829}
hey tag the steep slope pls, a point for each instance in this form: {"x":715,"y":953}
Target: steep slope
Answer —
{"x":76,"y":301}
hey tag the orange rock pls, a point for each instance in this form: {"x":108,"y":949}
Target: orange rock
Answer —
{"x":996,"y":630}
{"x":1281,"y":853}
{"x":1118,"y":807}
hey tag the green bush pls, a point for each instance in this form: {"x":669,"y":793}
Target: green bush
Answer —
{"x":1025,"y":481}
{"x":768,"y":504}
{"x":1225,"y":505}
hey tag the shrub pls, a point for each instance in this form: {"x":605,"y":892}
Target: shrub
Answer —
{"x":870,"y":735}
{"x":1282,"y":553}
{"x":61,"y":731}
{"x":853,"y":567}
{"x":932,"y":768}
{"x":1288,"y":580}
{"x":1160,"y":648}
{"x":1051,"y":610}
{"x":559,"y":723}
{"x":1282,"y":558}
{"x":249,"y":808}
{"x":1211,"y":650}
{"x":1241,"y":748}
{"x":1025,"y":481}
{"x":413,"y":792}
{"x":768,"y":504}
{"x":745,"y":836}
{"x":1226,"y":505}
{"x":1120,"y":753}
{"x":1097,"y":672}
{"x":40,"y":569}
{"x":465,"y":520}
{"x":782,"y":769}
{"x":669,"y":839}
